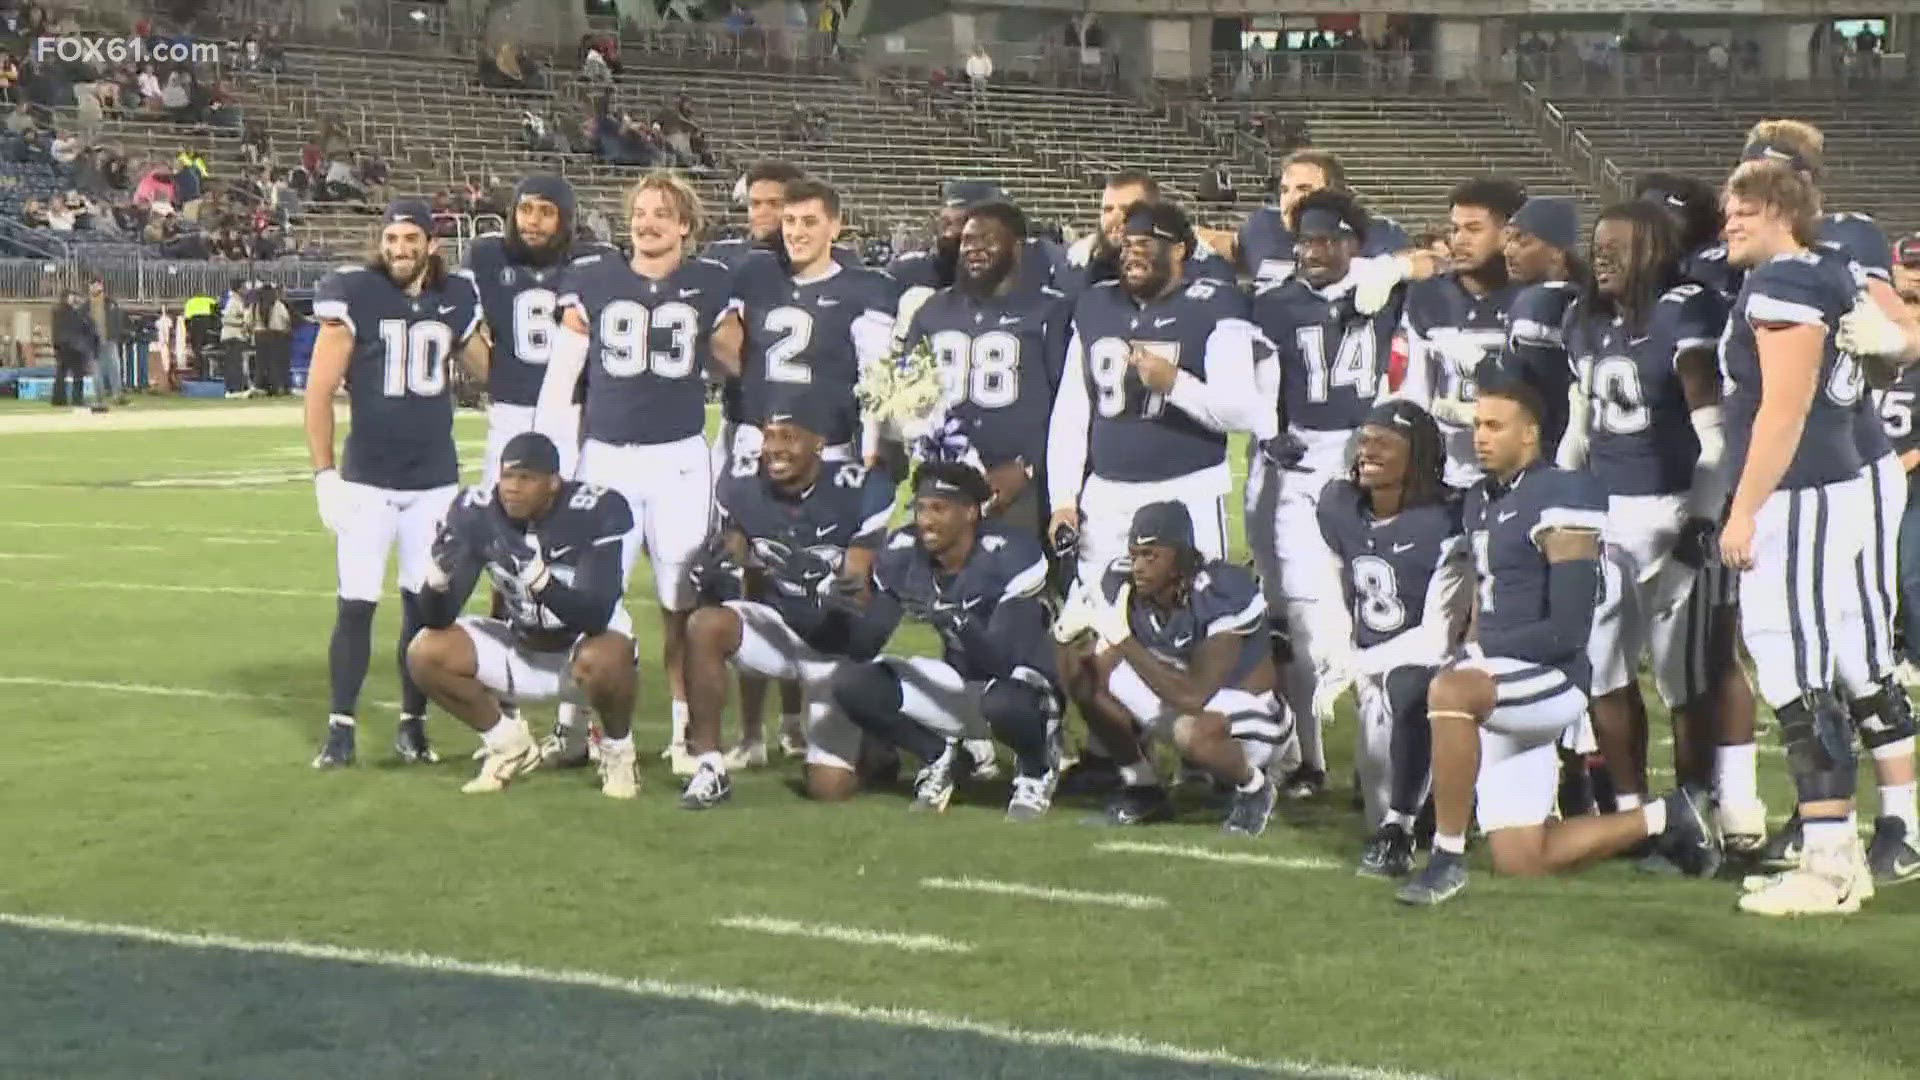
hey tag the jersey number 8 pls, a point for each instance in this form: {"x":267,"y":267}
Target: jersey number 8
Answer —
{"x":626,"y":340}
{"x":416,"y":360}
{"x":1377,"y":595}
{"x":984,"y":370}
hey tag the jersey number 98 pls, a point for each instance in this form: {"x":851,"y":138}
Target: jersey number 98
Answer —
{"x":984,"y":370}
{"x":416,"y":360}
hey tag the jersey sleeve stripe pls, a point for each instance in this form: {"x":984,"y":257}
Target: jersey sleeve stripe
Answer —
{"x":1764,"y":308}
{"x":1027,"y":582}
{"x":334,"y":311}
{"x":1534,"y":332}
{"x":1566,"y":517}
{"x":1244,"y":621}
{"x":1687,"y":344}
{"x":877,"y":523}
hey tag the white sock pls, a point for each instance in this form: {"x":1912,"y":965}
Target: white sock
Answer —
{"x":1395,"y":817}
{"x":1656,"y":815}
{"x":616,"y":746}
{"x":1139,"y":774}
{"x":1627,"y":800}
{"x":567,"y":716}
{"x":501,"y":733}
{"x":712,"y":759}
{"x":1899,"y":800}
{"x":679,"y":722}
{"x":792,"y":721}
{"x":1736,"y":774}
{"x":1829,"y":834}
{"x":340,"y":720}
{"x":1451,"y":843}
{"x":1259,"y":781}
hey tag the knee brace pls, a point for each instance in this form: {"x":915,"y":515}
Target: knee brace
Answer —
{"x":1883,"y":718}
{"x":1819,"y":737}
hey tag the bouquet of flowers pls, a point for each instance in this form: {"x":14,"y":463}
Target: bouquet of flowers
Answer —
{"x":903,"y":393}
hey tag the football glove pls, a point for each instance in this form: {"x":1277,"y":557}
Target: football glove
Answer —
{"x":1375,"y":279}
{"x":512,"y":551}
{"x":796,"y":571}
{"x":1075,"y":620}
{"x":715,"y":576}
{"x":1866,"y":332}
{"x":1697,"y":543}
{"x":1455,"y":411}
{"x":1110,"y":617}
{"x":335,"y":498}
{"x":1573,"y":445}
{"x":448,"y":552}
{"x":1332,"y":678}
{"x":1284,"y":451}
{"x":844,"y":594}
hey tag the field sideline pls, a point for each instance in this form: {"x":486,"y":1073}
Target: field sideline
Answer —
{"x":180,"y":895}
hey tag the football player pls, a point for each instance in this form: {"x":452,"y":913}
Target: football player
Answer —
{"x":791,"y":522}
{"x":641,"y":331}
{"x":1500,"y":707}
{"x":1178,"y":650}
{"x":1393,"y":527}
{"x":1456,"y":322}
{"x":388,"y":330}
{"x":1265,"y":247}
{"x":1793,"y":529}
{"x":1545,"y":269}
{"x":1159,"y":370}
{"x":1332,"y":361}
{"x":982,"y":587}
{"x":518,"y":275}
{"x":1693,"y":205}
{"x":1648,"y":428}
{"x":1096,"y":257}
{"x":553,"y":547}
{"x":1000,"y":339}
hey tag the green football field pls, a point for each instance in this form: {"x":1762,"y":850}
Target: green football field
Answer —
{"x":182,"y":896}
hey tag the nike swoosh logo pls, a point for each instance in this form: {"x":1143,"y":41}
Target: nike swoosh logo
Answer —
{"x":1158,"y":323}
{"x":824,"y":532}
{"x":825,"y":302}
{"x":1009,"y":320}
{"x":1181,"y":642}
{"x":1398,"y":548}
{"x":969,"y":605}
{"x":446,"y":310}
{"x":684,"y":293}
{"x":560,"y":552}
{"x":1509,"y":515}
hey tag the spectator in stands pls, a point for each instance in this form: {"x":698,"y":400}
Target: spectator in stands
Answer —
{"x":155,"y":186}
{"x":187,"y":184}
{"x":176,"y":97}
{"x":60,"y":218}
{"x":75,"y":343}
{"x":594,"y":70}
{"x":110,"y":329}
{"x":371,"y":171}
{"x":9,"y":76}
{"x":340,"y":184}
{"x":979,"y":70}
{"x":34,"y":214}
{"x":65,"y":149}
{"x":1216,"y":184}
{"x":272,"y":341}
{"x":148,"y":85}
{"x":255,"y":145}
{"x":534,"y":133}
{"x":236,"y":335}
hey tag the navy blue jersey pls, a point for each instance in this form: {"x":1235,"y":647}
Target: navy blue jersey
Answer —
{"x":1266,"y":244}
{"x":1332,"y":358}
{"x":846,"y":507}
{"x":579,"y":539}
{"x":1002,"y":358}
{"x":519,"y":302}
{"x":734,"y":254}
{"x":402,"y":407}
{"x":1640,"y":435}
{"x":1709,"y":267}
{"x":1896,"y":405}
{"x":1222,"y":599}
{"x":1860,"y":239}
{"x":1536,"y":351}
{"x":991,"y":616}
{"x":1134,"y":434}
{"x":810,"y":338}
{"x":1504,"y":524}
{"x":1388,"y":568}
{"x":648,"y":345}
{"x":1804,"y":288}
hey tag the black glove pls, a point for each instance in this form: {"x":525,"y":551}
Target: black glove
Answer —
{"x":1696,"y":545}
{"x":795,"y":571}
{"x":715,"y":576}
{"x":1066,"y":542}
{"x":1285,"y":451}
{"x":449,"y":551}
{"x":844,"y":594}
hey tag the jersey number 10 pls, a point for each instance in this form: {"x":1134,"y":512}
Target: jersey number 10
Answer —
{"x":416,"y":360}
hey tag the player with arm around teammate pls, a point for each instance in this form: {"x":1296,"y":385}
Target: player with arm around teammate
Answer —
{"x":1393,"y":528}
{"x":797,"y":537}
{"x":641,"y":329}
{"x":1172,"y":643}
{"x":552,"y":546}
{"x":388,"y":330}
{"x":1499,"y":708}
{"x":982,"y":587}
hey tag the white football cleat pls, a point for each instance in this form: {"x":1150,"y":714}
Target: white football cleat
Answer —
{"x":1823,"y":885}
{"x":565,"y":747}
{"x":1743,"y":827}
{"x":793,"y":738}
{"x":619,"y":771}
{"x":513,"y":756}
{"x":748,"y":755}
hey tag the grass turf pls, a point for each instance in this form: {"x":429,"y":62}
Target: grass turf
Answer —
{"x":155,"y":773}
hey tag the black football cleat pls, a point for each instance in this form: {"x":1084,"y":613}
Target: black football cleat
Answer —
{"x":1388,"y":853}
{"x":1442,"y":879}
{"x":1689,"y":841}
{"x":410,"y":742}
{"x":1137,"y":806}
{"x":1892,"y":856}
{"x":1093,"y":774}
{"x":1251,"y":810}
{"x":337,"y":753}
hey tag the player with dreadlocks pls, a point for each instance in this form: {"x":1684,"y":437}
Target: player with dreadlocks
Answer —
{"x":1393,"y":526}
{"x":1644,"y":342}
{"x":1693,"y":206}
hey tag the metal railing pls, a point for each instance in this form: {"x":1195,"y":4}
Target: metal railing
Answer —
{"x":1572,"y":145}
{"x":1317,"y":71}
{"x":150,"y":280}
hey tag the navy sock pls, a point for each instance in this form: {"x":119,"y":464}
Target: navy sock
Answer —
{"x":1019,"y":716}
{"x":349,"y":653}
{"x":413,"y":700}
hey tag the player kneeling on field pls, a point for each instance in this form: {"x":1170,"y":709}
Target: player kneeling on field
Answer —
{"x":552,"y":547}
{"x":981,"y":588}
{"x":797,"y":538}
{"x":1499,"y":708}
{"x":1181,"y":649}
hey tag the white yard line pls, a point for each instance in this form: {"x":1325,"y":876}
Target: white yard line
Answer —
{"x":847,"y":935}
{"x":1132,"y":901}
{"x":1207,"y":854}
{"x":917,"y":1019}
{"x":318,"y":700}
{"x":317,"y":532}
{"x":148,"y":586}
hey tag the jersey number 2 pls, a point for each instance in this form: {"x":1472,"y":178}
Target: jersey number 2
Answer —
{"x":416,"y":360}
